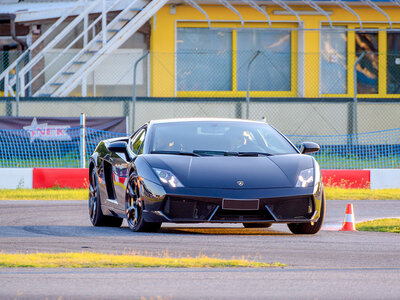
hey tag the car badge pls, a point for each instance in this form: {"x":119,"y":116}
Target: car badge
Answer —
{"x":240,"y":182}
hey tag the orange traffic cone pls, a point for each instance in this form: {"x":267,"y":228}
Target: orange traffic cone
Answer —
{"x":349,"y":222}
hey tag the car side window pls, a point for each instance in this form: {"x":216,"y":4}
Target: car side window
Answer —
{"x":137,"y":142}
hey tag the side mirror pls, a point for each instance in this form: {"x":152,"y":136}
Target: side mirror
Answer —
{"x":309,"y":147}
{"x":118,"y":147}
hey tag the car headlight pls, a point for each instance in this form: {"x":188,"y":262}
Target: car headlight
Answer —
{"x":306,"y":178}
{"x":167,"y":177}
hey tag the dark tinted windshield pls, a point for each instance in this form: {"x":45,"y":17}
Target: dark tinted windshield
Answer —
{"x":220,"y":137}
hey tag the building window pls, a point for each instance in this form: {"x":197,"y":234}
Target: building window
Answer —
{"x":204,"y":59}
{"x":367,"y":68}
{"x":271,"y":68}
{"x":333,"y":61}
{"x":393,"y":63}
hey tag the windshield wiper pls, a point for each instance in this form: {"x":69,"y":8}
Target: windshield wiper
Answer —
{"x":254,"y":154}
{"x":215,"y":152}
{"x":230,"y":153}
{"x":175,"y":153}
{"x":200,"y":153}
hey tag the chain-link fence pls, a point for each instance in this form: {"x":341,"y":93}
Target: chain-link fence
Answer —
{"x":369,"y":150}
{"x":306,"y":96}
{"x":327,"y":122}
{"x":299,"y":93}
{"x":210,"y":73}
{"x":294,"y":116}
{"x":113,"y":76}
{"x":17,"y":149}
{"x":6,"y":59}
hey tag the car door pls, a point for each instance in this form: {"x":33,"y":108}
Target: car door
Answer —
{"x":135,"y":146}
{"x":115,"y":166}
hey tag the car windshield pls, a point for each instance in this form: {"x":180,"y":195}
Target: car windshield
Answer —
{"x":211,"y":138}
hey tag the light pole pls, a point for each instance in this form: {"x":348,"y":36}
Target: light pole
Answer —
{"x":248,"y":83}
{"x":354,"y":117}
{"x":134,"y":89}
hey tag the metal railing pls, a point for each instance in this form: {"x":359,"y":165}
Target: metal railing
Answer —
{"x":35,"y":45}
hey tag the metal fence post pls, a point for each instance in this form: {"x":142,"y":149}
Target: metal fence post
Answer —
{"x":17,"y":90}
{"x":134,"y":89}
{"x":104,"y":23}
{"x":82,"y":140}
{"x":18,"y":83}
{"x":238,"y":109}
{"x":248,"y":83}
{"x":354,"y":106}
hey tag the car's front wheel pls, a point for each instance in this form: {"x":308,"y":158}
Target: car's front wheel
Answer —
{"x":134,"y":209}
{"x":310,"y":228}
{"x":95,"y":213}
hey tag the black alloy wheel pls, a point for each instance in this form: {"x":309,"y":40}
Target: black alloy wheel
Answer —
{"x":310,"y":228}
{"x":257,"y":225}
{"x":93,"y":192}
{"x":134,"y":209}
{"x":95,"y":213}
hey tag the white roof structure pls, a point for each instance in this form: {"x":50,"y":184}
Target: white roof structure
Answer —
{"x":31,"y":11}
{"x":34,"y":11}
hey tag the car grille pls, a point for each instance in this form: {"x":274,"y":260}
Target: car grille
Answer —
{"x":185,"y":208}
{"x":291,"y":207}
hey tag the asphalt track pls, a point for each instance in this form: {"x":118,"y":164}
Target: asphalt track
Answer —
{"x":329,"y":265}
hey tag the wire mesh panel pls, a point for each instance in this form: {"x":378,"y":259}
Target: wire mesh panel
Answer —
{"x":94,"y":136}
{"x":7,"y":58}
{"x":380,"y":149}
{"x":303,"y":116}
{"x":18,"y":148}
{"x":307,"y":96}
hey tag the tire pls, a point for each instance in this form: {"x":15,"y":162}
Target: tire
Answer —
{"x":257,"y":225}
{"x":308,"y":228}
{"x":134,"y":209}
{"x":95,"y":213}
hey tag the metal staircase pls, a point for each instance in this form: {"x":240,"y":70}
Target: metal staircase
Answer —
{"x":99,"y":38}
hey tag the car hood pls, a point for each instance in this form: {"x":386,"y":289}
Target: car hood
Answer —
{"x":279,"y":171}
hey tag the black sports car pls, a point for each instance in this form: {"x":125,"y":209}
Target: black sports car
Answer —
{"x":205,"y":170}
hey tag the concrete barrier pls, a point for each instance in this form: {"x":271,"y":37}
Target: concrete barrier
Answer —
{"x":385,"y":178}
{"x":60,"y":177}
{"x":14,"y":178}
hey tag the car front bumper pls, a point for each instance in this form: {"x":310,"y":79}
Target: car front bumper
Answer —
{"x":282,"y":205}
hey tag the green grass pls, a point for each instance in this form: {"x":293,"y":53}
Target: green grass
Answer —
{"x":380,"y":225}
{"x":329,"y":161}
{"x":44,"y":194}
{"x":101,"y":260}
{"x":69,"y":161}
{"x":361,"y":194}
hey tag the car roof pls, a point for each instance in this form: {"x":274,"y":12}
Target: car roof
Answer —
{"x":183,"y":120}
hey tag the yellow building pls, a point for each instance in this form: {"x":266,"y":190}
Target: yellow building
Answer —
{"x":278,"y":48}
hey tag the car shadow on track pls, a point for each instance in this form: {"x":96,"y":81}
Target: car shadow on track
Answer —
{"x":89,"y":231}
{"x":61,"y":231}
{"x":220,"y":231}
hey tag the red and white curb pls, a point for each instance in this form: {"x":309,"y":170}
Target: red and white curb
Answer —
{"x":28,"y":178}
